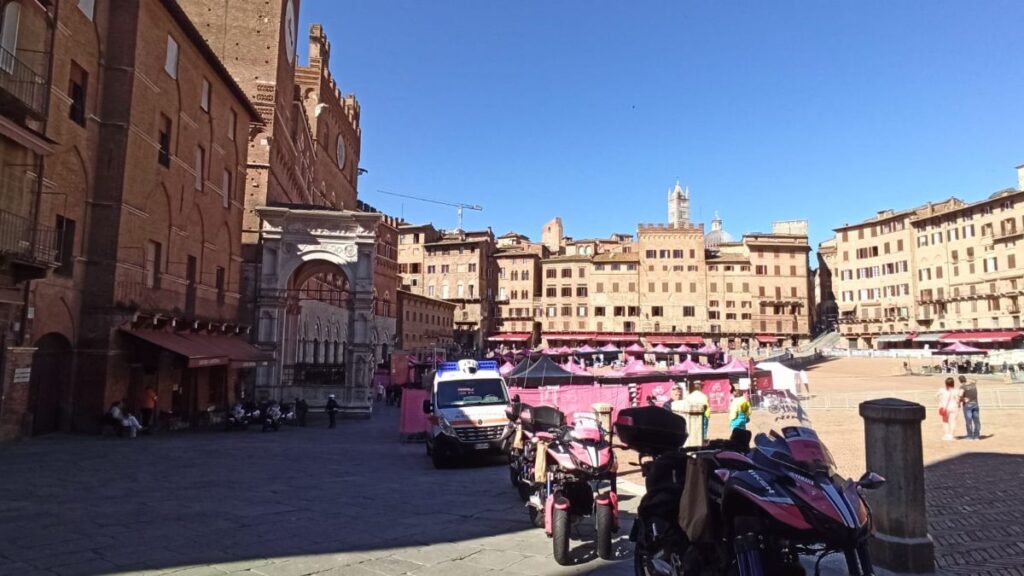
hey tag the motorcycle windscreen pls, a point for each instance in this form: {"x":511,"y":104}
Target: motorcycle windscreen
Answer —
{"x":794,"y":442}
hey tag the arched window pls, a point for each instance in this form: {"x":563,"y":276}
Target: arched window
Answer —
{"x":9,"y":36}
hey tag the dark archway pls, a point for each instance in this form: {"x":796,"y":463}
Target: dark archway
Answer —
{"x":50,"y":384}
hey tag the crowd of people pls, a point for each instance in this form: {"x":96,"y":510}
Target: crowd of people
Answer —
{"x":680,"y":401}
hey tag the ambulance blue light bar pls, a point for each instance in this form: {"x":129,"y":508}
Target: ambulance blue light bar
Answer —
{"x":454,"y":366}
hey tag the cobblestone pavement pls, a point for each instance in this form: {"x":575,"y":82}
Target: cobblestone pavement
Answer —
{"x":350,"y":501}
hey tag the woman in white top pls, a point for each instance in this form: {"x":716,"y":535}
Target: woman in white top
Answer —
{"x":949,"y":404}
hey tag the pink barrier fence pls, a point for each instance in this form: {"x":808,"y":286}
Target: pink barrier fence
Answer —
{"x":571,"y":399}
{"x":413,"y":420}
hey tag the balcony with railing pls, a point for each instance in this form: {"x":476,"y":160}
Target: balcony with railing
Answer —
{"x":24,"y":89}
{"x":28,"y":244}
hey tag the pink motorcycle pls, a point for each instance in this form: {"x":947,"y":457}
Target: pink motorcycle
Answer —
{"x":579,"y":471}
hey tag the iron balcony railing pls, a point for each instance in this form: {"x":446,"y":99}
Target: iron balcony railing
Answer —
{"x":20,"y":82}
{"x":26,"y":240}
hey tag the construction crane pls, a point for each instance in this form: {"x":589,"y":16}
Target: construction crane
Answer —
{"x":458,"y":205}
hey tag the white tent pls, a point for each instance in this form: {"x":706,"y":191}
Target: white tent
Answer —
{"x":784,"y":378}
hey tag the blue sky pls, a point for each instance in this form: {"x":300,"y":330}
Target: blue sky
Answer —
{"x":776,"y":110}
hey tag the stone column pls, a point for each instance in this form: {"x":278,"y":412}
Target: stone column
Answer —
{"x":892,"y":436}
{"x":694,"y":414}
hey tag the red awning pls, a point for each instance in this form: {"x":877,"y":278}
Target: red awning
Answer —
{"x":197,"y":354}
{"x":241,"y":353}
{"x":766,"y":338}
{"x":510,"y":337}
{"x":569,"y":336}
{"x":623,"y":337}
{"x":995,"y":336}
{"x":675,"y":340}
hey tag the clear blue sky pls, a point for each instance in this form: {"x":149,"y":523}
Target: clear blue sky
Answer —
{"x":590,"y":110}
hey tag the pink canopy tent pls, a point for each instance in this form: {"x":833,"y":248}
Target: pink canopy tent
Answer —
{"x":586,"y":349}
{"x":565,"y":350}
{"x":574,"y":368}
{"x":637,"y":368}
{"x":506,"y":368}
{"x":708,"y":349}
{"x":683,"y":349}
{"x":662,"y":349}
{"x":735,"y":365}
{"x":635,"y":350}
{"x":686,"y":366}
{"x":960,"y":349}
{"x":612,"y":348}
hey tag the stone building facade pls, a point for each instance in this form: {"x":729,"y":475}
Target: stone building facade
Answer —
{"x":146,"y":288}
{"x":425,"y":323}
{"x":672,"y":284}
{"x":456,"y":266}
{"x":905,"y":278}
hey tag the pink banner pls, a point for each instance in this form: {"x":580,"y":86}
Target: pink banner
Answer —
{"x":413,"y":420}
{"x":719,"y":393}
{"x":659,"y":390}
{"x":763,"y":382}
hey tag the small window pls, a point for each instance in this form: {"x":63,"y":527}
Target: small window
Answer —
{"x":78,"y":82}
{"x":200,"y":167}
{"x":65,"y":242}
{"x":88,"y":7}
{"x":152,"y":264}
{"x":232,"y":125}
{"x":165,"y":141}
{"x":220,"y":280}
{"x":204,"y":99}
{"x":171,"y":63}
{"x":9,"y":36}
{"x":226,"y":188}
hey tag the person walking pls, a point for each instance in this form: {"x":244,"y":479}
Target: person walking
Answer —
{"x":739,"y":410}
{"x":949,"y":402}
{"x":697,"y":397}
{"x":331,"y":409}
{"x":301,"y":410}
{"x":969,"y":401}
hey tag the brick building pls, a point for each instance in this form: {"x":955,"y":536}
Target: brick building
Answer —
{"x":938,"y":272}
{"x":424,"y":322}
{"x":146,"y":288}
{"x":321,"y":270}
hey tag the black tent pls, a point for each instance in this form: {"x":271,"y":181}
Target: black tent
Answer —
{"x":543,"y":372}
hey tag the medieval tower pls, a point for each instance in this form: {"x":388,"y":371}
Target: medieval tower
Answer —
{"x":679,"y":205}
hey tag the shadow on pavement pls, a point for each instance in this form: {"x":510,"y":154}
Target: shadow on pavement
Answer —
{"x":353,"y":500}
{"x":975,"y":506}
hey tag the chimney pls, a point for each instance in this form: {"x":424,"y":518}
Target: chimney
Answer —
{"x":1020,"y":177}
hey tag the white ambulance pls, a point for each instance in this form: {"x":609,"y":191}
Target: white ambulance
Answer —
{"x":466,"y":409}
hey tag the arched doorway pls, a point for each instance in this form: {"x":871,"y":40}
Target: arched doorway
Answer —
{"x":50,"y":383}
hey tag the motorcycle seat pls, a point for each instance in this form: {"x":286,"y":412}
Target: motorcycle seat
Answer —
{"x":543,"y":436}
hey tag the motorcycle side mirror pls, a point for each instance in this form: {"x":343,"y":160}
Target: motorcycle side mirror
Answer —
{"x":871,"y":481}
{"x":428,"y":407}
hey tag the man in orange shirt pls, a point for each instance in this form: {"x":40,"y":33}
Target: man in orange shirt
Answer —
{"x":148,"y":406}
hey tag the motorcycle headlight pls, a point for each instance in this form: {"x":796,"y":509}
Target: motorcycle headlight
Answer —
{"x":446,"y":427}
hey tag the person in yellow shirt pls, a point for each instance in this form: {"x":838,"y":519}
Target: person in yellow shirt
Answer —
{"x":739,"y":410}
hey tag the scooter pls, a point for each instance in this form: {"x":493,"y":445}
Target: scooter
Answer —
{"x":576,"y":479}
{"x":272,"y":417}
{"x":237,"y":418}
{"x":528,"y":420}
{"x":728,"y":509}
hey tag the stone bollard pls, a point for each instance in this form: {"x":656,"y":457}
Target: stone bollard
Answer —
{"x":604,"y":416}
{"x":892,"y":437}
{"x":694,"y":415}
